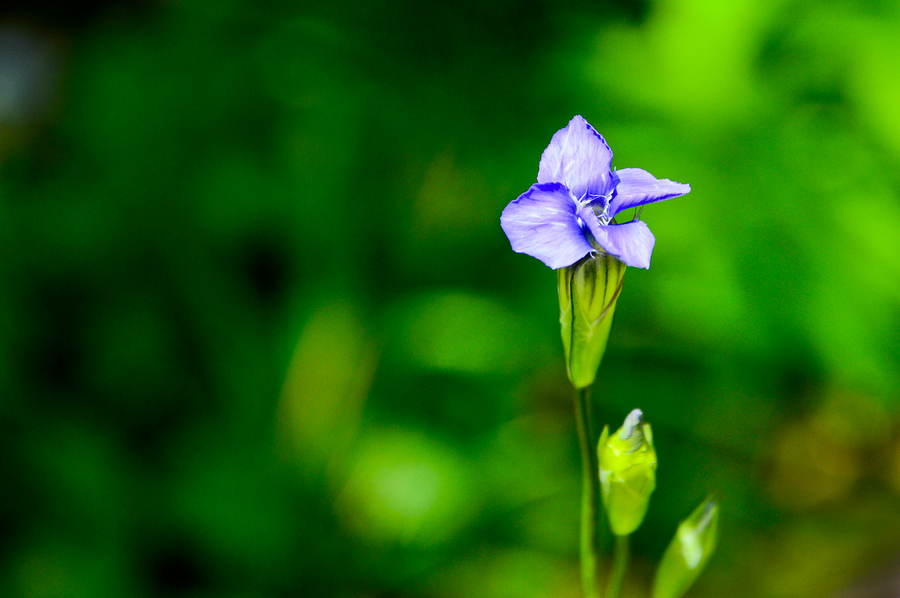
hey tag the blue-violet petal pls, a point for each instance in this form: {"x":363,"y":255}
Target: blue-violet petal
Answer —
{"x":631,"y":242}
{"x":578,"y":157}
{"x":542,"y":223}
{"x":636,"y":187}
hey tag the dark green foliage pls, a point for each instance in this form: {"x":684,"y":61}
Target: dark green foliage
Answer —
{"x":261,"y":333}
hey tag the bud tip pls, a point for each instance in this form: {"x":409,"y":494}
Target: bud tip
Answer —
{"x":634,"y":419}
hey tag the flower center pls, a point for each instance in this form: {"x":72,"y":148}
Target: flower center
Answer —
{"x":599,"y":204}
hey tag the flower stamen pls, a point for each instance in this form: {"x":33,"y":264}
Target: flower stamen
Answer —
{"x":638,"y":212}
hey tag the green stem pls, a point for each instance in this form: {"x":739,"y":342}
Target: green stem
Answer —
{"x":590,"y":496}
{"x":619,"y":564}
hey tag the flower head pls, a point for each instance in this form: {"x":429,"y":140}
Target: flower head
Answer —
{"x":627,"y":461}
{"x":689,"y":550}
{"x":576,"y":197}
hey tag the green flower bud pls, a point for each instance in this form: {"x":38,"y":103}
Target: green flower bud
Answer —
{"x":691,"y":547}
{"x":588,"y":290}
{"x":627,"y":473}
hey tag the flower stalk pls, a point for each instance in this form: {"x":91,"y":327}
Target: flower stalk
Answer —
{"x":590,"y":496}
{"x":620,"y":563}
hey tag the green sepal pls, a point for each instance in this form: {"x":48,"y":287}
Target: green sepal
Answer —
{"x":588,"y":290}
{"x":627,"y":461}
{"x":690,"y":549}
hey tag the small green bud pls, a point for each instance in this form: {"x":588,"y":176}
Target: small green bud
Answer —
{"x":588,"y":290}
{"x":688,"y":552}
{"x":627,"y":473}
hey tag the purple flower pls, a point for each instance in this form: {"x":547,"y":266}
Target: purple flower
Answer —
{"x":576,"y":198}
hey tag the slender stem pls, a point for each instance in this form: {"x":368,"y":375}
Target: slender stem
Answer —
{"x":619,"y":564}
{"x":590,"y":496}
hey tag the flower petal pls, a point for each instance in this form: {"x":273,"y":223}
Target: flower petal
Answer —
{"x":579,"y":158}
{"x":636,"y":187}
{"x":631,"y":242}
{"x":542,"y":223}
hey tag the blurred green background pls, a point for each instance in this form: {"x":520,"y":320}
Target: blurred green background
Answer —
{"x":262,"y":334}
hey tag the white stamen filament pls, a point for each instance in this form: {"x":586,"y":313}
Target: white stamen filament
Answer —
{"x":602,"y":213}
